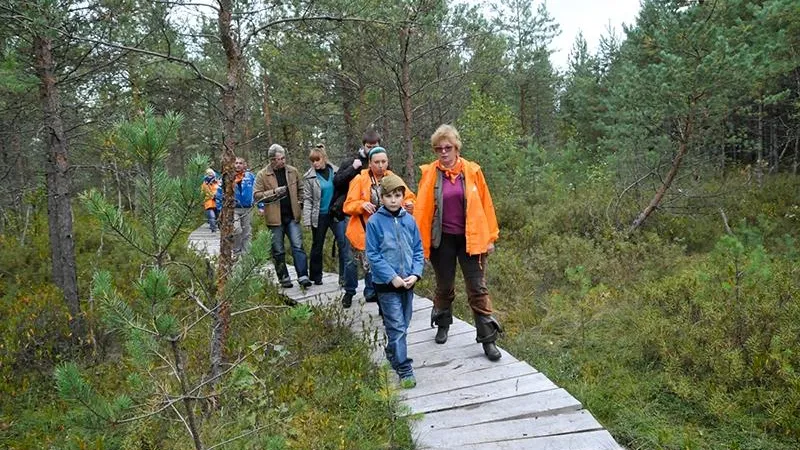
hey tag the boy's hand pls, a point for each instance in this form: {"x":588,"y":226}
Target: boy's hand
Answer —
{"x":410,"y":281}
{"x":398,"y":282}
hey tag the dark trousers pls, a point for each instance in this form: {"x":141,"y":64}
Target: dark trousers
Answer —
{"x":443,"y":259}
{"x":348,"y":272}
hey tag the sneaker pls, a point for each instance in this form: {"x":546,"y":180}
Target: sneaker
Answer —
{"x":304,"y":282}
{"x":408,"y":382}
{"x":286,"y":284}
{"x":318,"y":282}
{"x":347,"y":300}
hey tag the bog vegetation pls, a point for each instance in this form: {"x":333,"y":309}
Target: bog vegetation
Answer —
{"x":647,"y":194}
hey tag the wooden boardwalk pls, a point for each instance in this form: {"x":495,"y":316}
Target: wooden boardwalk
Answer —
{"x":465,"y":400}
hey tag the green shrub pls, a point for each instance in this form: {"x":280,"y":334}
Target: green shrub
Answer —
{"x":725,"y":328}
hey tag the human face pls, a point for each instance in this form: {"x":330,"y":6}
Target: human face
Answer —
{"x":378,"y":164}
{"x":240,"y":165}
{"x":393,"y":201}
{"x":278,"y":161}
{"x":316,"y":161}
{"x":370,"y":145}
{"x":447,"y":152}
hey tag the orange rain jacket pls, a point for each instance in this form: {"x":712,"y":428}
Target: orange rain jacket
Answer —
{"x":481,"y":228}
{"x":209,"y":194}
{"x":358,"y":193}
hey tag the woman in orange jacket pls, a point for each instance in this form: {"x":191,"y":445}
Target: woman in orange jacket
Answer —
{"x":457,"y":222}
{"x":363,"y":199}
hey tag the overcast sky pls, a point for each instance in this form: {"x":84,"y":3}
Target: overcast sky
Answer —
{"x":590,"y":16}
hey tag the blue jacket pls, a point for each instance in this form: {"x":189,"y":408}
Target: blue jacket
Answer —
{"x":242,"y":192}
{"x":393,"y":246}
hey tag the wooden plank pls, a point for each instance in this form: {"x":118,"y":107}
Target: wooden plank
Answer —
{"x":453,"y":342}
{"x":470,"y":355}
{"x":590,"y":440}
{"x":459,"y":366}
{"x":533,"y":427}
{"x":472,"y":395}
{"x":538,"y":404}
{"x":431,"y":382}
{"x":427,"y":334}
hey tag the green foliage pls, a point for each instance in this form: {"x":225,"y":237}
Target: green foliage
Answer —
{"x":489,"y":137}
{"x":727,"y":326}
{"x":164,"y":204}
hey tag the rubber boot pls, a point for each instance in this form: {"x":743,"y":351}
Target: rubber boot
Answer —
{"x":488,"y":328}
{"x":441,"y":318}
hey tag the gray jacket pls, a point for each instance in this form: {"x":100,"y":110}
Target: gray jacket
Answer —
{"x":312,"y":195}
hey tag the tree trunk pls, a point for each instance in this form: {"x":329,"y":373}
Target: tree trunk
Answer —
{"x":180,"y":372}
{"x":222,"y":313}
{"x":346,"y":89}
{"x":265,"y":106}
{"x":523,"y":123}
{"x":673,"y":171}
{"x":405,"y":100}
{"x":59,"y":209}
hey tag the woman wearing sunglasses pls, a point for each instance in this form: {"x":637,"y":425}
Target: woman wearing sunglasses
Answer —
{"x":457,"y":223}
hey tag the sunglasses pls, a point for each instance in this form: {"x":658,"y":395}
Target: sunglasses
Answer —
{"x":443,"y":148}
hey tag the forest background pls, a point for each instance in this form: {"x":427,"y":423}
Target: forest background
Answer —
{"x":647,"y":198}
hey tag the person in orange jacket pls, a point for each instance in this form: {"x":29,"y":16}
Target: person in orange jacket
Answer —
{"x":457,"y":222}
{"x":209,"y":189}
{"x":363,"y":200}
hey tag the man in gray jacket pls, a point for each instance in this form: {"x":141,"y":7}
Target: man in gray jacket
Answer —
{"x":279,"y":185}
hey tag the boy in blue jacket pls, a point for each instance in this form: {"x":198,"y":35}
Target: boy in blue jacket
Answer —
{"x":394,"y":252}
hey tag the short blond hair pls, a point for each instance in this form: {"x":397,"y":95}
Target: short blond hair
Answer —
{"x":448,"y":132}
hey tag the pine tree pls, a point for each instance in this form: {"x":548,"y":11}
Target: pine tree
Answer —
{"x":160,"y":317}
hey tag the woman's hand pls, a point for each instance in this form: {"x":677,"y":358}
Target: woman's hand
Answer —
{"x":369,"y":207}
{"x":490,"y":248}
{"x":409,"y":207}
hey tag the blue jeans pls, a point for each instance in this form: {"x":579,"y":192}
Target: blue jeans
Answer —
{"x":396,"y":308}
{"x":292,"y":229}
{"x":348,"y":271}
{"x":211,"y":215}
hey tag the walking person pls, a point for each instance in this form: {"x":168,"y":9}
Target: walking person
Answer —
{"x":243,"y":202}
{"x":457,"y":222}
{"x":317,"y":199}
{"x":278,"y":185}
{"x":363,"y":200}
{"x":209,"y":189}
{"x":394,"y":251}
{"x":348,"y":170}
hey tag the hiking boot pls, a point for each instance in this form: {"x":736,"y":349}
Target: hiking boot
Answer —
{"x":408,"y":382}
{"x":491,"y":351}
{"x":488,"y":328}
{"x":304,"y":282}
{"x":441,"y":335}
{"x":318,"y":282}
{"x":286,"y":283}
{"x":371,"y":299}
{"x":347,"y":300}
